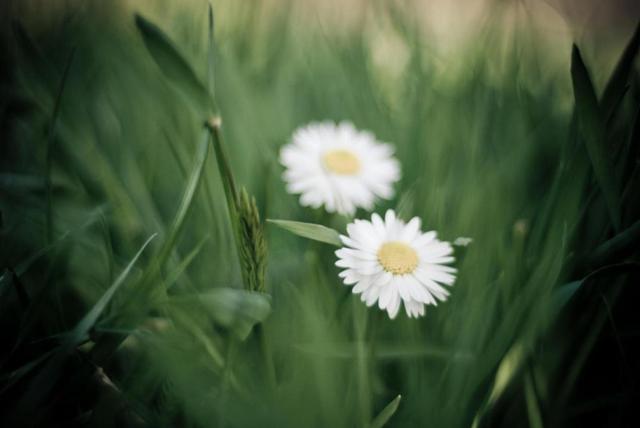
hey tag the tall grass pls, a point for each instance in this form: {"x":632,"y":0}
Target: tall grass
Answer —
{"x":105,"y":145}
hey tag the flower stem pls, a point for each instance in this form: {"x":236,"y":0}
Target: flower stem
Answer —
{"x":362,"y":368}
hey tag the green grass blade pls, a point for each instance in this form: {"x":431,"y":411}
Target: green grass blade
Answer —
{"x":533,"y":406}
{"x":228,"y":181}
{"x":173,"y":276}
{"x":186,"y":202}
{"x":385,"y":415}
{"x":565,"y":292}
{"x":616,"y":87}
{"x":211,"y":52}
{"x":49,"y":148}
{"x":42,"y":384}
{"x":591,"y":127}
{"x":312,"y":231}
{"x":172,"y":63}
{"x":107,"y":345}
{"x":81,"y":330}
{"x":10,"y":379}
{"x":618,"y":247}
{"x":25,"y":264}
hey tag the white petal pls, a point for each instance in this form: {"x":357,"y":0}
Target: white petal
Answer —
{"x":418,"y":291}
{"x":361,"y":286}
{"x":402,"y":284}
{"x":411,"y":230}
{"x":386,"y":295}
{"x":307,"y":175}
{"x":394,"y":306}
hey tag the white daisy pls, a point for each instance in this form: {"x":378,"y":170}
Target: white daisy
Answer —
{"x":338,"y":166}
{"x":392,"y":262}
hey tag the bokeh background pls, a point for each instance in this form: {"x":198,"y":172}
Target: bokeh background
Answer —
{"x":100,"y":144}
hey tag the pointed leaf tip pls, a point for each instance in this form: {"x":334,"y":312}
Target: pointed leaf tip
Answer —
{"x":591,"y":126}
{"x":173,"y":64}
{"x":385,"y":415}
{"x":316,"y":232}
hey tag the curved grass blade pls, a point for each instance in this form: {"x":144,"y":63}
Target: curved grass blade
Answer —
{"x":173,"y":65}
{"x":596,"y":325}
{"x":567,"y":291}
{"x":385,"y":415}
{"x":41,"y":386}
{"x":592,"y":130}
{"x":624,"y":243}
{"x":316,"y":232}
{"x":81,"y":330}
{"x":38,"y":299}
{"x":107,"y":345}
{"x":185,"y":203}
{"x":173,"y":276}
{"x":25,"y":264}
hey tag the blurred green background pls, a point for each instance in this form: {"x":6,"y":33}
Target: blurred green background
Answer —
{"x":101,"y":144}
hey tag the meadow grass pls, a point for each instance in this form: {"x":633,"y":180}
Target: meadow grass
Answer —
{"x":132,"y":290}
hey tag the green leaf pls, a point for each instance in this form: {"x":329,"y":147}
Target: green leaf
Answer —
{"x":565,"y":292}
{"x":173,"y":276}
{"x":10,"y":379}
{"x":533,"y":403}
{"x":107,"y":345}
{"x":312,"y":231}
{"x":234,"y":309}
{"x":618,"y":247}
{"x":211,"y":53}
{"x":173,"y":65}
{"x":42,"y":384}
{"x":591,"y":127}
{"x":51,"y":132}
{"x":187,"y":201}
{"x":385,"y":415}
{"x":224,"y":167}
{"x":616,"y":87}
{"x":81,"y":330}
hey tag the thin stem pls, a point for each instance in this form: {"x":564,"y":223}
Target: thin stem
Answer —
{"x":363,"y":387}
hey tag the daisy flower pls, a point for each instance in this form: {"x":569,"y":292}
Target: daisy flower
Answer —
{"x":338,"y":167}
{"x":392,"y":262}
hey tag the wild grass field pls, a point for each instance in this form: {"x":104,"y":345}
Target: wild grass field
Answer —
{"x":142,"y":285}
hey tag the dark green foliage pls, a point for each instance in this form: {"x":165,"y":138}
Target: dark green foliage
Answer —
{"x":104,"y":151}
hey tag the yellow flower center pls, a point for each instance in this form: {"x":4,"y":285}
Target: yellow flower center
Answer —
{"x":341,"y":162}
{"x":397,"y":258}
